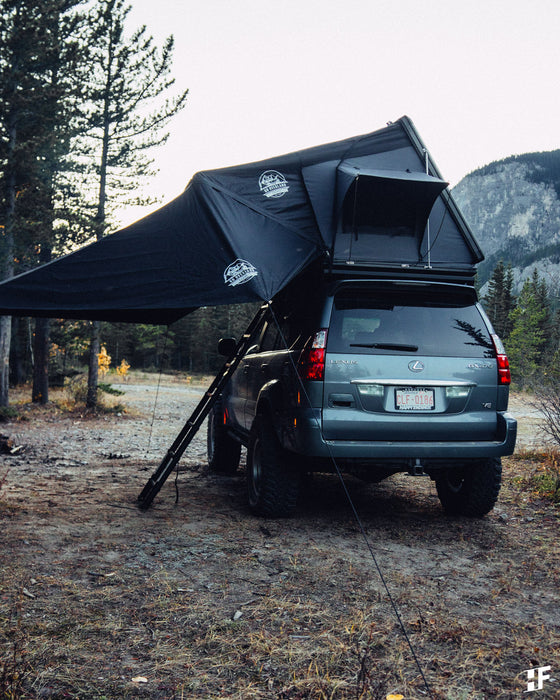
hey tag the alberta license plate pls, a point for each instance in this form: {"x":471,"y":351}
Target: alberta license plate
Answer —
{"x":413,"y":399}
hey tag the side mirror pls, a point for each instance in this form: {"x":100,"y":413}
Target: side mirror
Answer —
{"x":227,"y":346}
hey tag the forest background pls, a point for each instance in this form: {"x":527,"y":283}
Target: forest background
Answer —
{"x":82,"y":102}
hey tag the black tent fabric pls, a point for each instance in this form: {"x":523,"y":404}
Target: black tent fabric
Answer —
{"x":240,"y":234}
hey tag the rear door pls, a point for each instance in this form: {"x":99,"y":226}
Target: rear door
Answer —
{"x":257,"y":368}
{"x":271,"y":364}
{"x":409,"y":363}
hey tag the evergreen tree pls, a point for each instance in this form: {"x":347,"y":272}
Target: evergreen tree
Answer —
{"x":128,"y":77}
{"x":18,"y":82}
{"x":499,"y":300}
{"x":34,"y":51}
{"x":547,"y":323}
{"x":63,"y":57}
{"x":554,"y":344}
{"x":527,"y":337}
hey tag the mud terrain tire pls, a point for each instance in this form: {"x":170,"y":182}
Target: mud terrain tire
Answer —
{"x":272,"y":483}
{"x":472,"y":491}
{"x":224,"y":452}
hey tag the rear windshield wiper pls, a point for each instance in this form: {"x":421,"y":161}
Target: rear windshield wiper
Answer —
{"x":386,"y":346}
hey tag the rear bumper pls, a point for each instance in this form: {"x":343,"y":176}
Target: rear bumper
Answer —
{"x":309,"y":442}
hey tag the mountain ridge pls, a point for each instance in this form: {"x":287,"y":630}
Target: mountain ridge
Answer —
{"x":513,"y":208}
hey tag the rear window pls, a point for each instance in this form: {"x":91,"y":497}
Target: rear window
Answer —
{"x":413,"y":322}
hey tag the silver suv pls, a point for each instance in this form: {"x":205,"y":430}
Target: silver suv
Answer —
{"x":375,"y":376}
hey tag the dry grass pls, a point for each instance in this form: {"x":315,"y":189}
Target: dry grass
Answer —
{"x":203,"y":601}
{"x":543,"y":478}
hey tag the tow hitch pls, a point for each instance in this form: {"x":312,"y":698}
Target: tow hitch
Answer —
{"x":417,"y":468}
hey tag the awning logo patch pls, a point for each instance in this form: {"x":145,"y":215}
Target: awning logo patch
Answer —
{"x":239,"y":272}
{"x":273,"y":184}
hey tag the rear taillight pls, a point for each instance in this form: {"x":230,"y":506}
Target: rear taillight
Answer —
{"x":504,"y":374}
{"x":312,"y":359}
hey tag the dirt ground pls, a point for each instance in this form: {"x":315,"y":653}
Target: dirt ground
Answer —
{"x":196,"y":598}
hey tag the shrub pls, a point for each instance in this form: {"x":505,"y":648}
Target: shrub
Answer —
{"x":77,"y":390}
{"x":7,"y":413}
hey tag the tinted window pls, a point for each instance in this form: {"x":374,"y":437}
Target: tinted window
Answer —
{"x":271,"y":338}
{"x":279,"y":332}
{"x":417,"y":322}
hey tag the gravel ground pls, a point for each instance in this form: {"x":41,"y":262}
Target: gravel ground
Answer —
{"x":153,"y":418}
{"x":198,"y":599}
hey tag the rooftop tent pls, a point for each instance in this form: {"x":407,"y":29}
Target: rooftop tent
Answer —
{"x":241,"y":233}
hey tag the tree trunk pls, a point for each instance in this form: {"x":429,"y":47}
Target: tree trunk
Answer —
{"x":40,"y":392}
{"x":19,"y":352}
{"x":7,"y":271}
{"x":5,"y":339}
{"x":94,"y":348}
{"x":41,"y":345}
{"x":93,"y":370}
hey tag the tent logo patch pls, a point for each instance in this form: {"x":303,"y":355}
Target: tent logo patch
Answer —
{"x":239,"y":272}
{"x":273,"y":184}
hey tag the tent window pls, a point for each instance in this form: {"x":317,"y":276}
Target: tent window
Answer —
{"x":376,"y":205}
{"x":383,"y":219}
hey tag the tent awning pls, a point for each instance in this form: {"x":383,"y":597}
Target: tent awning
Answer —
{"x":240,"y":234}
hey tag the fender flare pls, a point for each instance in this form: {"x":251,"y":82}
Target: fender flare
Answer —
{"x":269,"y":402}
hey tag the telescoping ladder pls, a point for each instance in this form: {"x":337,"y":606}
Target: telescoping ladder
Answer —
{"x":191,"y":427}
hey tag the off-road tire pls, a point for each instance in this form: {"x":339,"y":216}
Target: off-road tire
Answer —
{"x":272,"y":482}
{"x":224,"y":452}
{"x":472,"y":491}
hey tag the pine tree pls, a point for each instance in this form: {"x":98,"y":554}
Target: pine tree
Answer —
{"x":128,"y":77}
{"x":499,"y":300}
{"x":527,"y":337}
{"x":62,"y":60}
{"x":34,"y":52}
{"x":18,"y":80}
{"x":547,"y":323}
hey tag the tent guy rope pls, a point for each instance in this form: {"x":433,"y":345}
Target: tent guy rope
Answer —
{"x":356,"y":515}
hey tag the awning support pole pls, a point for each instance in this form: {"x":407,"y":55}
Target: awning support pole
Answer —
{"x":193,"y":424}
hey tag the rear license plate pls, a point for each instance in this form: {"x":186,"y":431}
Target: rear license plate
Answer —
{"x":413,"y":399}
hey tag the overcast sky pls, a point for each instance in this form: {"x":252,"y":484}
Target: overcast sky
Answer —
{"x":479,"y":78}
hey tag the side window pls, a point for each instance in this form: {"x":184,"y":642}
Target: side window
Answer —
{"x":275,"y":338}
{"x":270,"y":337}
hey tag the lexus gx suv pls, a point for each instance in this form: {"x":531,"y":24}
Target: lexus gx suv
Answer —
{"x":370,"y":377}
